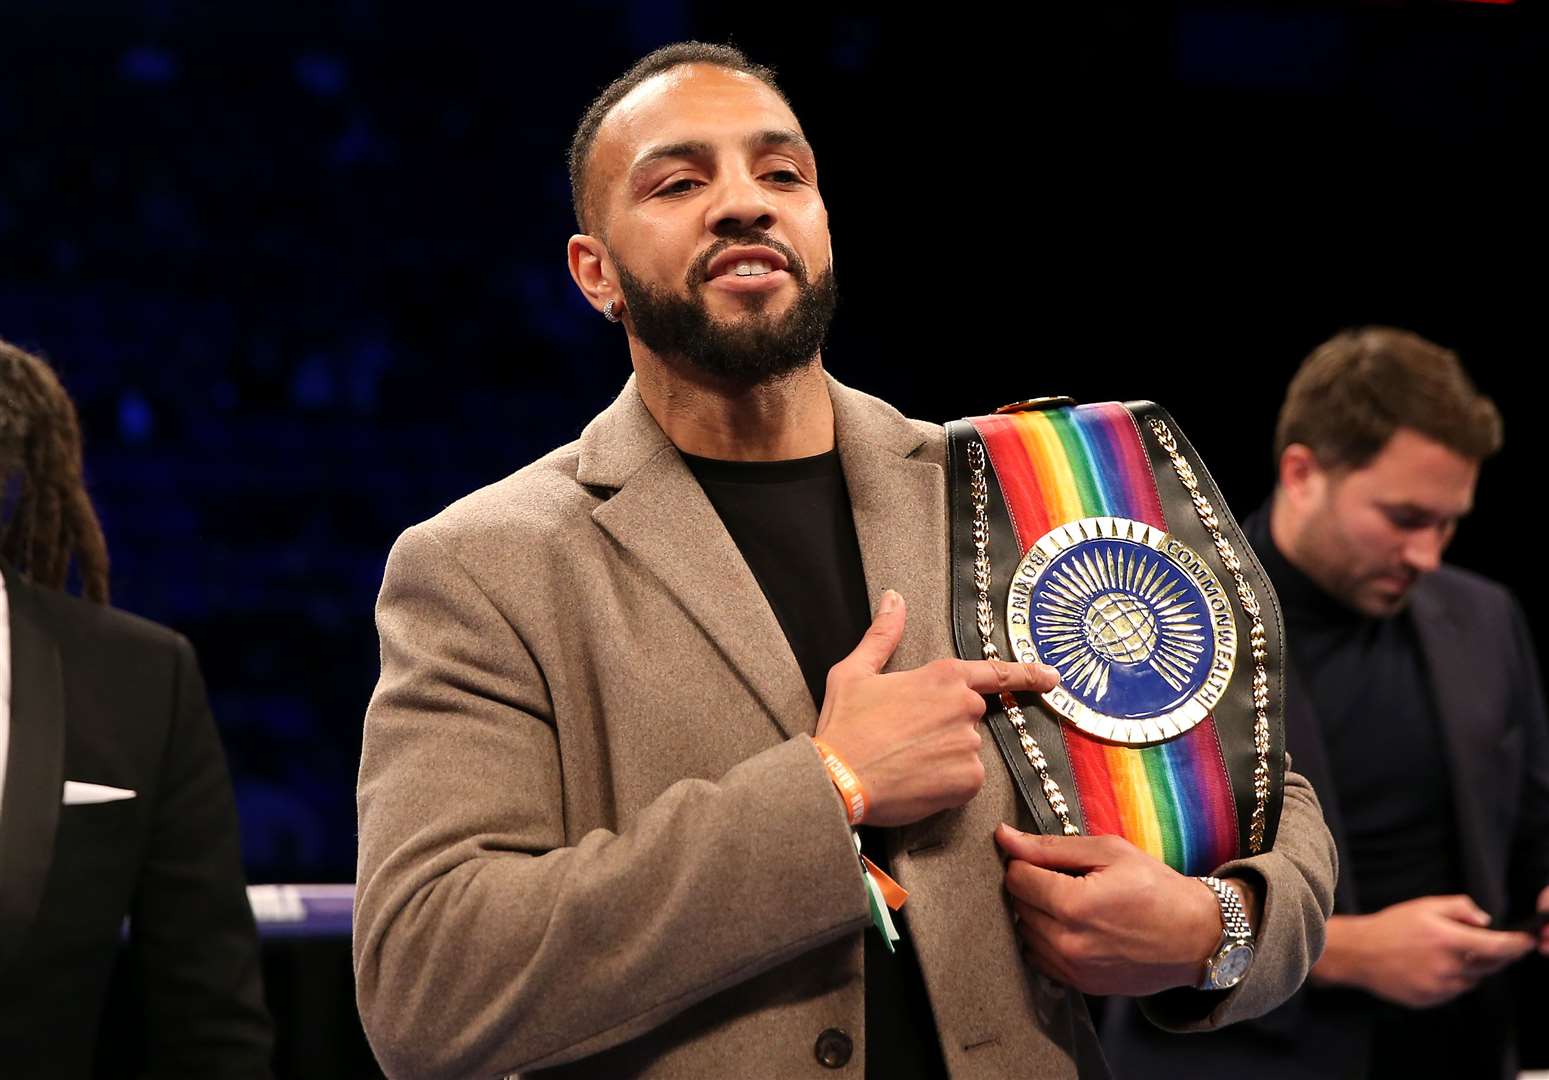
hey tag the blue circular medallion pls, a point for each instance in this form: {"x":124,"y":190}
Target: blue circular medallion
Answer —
{"x":1126,"y":626}
{"x":1136,"y":622}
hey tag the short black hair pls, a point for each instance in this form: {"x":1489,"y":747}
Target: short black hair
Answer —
{"x":663,"y":59}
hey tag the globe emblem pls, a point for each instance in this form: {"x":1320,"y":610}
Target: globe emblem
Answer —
{"x":1139,"y":628}
{"x":1121,"y":628}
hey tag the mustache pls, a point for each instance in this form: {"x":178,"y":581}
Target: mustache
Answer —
{"x":699,"y":273}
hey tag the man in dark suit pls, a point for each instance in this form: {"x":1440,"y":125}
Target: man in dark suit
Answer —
{"x":114,"y":798}
{"x":1417,"y":713}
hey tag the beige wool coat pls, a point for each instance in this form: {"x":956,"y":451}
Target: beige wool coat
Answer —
{"x":595,"y":835}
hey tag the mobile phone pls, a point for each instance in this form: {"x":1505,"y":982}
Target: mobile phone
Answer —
{"x":1531,"y":924}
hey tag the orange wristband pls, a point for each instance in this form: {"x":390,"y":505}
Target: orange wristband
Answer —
{"x":846,"y":781}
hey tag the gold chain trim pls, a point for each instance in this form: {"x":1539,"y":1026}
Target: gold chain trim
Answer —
{"x":1256,"y":635}
{"x":986,"y":623}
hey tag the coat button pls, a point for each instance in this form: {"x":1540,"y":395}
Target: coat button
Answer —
{"x":833,"y":1049}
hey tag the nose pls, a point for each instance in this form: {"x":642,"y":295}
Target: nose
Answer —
{"x":740,"y":205}
{"x":1423,"y":548}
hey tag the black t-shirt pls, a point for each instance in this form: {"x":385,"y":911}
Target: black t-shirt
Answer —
{"x":792,"y":522}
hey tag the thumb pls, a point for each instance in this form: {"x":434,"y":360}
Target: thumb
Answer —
{"x":886,"y":631}
{"x":1462,"y":909}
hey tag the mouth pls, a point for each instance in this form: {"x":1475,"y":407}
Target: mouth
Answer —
{"x":748,"y":269}
{"x":1397,"y":584}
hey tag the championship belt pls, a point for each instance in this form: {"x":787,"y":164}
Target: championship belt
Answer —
{"x":1091,"y":538}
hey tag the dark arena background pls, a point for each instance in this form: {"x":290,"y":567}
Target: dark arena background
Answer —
{"x":303,"y":269}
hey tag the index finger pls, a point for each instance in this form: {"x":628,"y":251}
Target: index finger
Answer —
{"x":1036,"y":887}
{"x":998,"y":676}
{"x":1494,"y":944}
{"x":1075,"y":853}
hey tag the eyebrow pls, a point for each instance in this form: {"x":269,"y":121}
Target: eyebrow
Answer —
{"x":783,"y":137}
{"x":698,"y":148}
{"x":1424,"y":511}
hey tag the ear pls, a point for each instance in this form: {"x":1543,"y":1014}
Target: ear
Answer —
{"x":1302,"y":478}
{"x":591,"y":268}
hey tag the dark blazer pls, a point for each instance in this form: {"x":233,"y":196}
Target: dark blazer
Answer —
{"x":106,"y":698}
{"x":1485,"y":681}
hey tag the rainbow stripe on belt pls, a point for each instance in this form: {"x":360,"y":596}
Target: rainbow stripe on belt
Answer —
{"x":1173,"y":800}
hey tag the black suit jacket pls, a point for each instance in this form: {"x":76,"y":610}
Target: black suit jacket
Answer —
{"x":1485,"y":681}
{"x":103,"y":697}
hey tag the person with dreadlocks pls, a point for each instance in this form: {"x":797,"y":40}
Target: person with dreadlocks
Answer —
{"x":52,"y":521}
{"x":115,"y":803}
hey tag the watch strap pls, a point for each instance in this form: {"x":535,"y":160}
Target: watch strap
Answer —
{"x":1236,"y":932}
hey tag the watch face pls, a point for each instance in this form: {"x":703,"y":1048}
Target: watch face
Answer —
{"x":1232,"y":965}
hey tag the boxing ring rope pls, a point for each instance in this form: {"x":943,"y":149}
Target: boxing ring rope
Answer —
{"x":297,"y":911}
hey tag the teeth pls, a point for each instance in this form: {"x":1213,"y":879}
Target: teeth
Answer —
{"x":752,"y":268}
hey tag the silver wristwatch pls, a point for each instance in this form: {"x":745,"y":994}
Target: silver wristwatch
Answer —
{"x":1233,"y":956}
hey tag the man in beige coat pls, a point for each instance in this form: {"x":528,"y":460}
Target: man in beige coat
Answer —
{"x":595,"y":834}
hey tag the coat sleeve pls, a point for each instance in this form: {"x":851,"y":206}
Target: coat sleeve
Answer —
{"x":487,"y":942}
{"x":1297,"y":877}
{"x":193,"y":947}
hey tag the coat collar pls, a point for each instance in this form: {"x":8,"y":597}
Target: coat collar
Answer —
{"x":34,"y":778}
{"x":625,"y":437}
{"x":660,"y":515}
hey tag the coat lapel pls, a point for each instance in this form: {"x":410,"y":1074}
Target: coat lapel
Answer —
{"x":660,"y":515}
{"x":34,"y":765}
{"x":899,"y":503}
{"x":1448,"y":659}
{"x":898,"y":497}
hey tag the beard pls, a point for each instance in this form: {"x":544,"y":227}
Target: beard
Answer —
{"x":746,"y":351}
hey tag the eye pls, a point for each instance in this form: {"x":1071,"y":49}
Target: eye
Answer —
{"x":1410,"y":520}
{"x":784,"y":176}
{"x":678,"y":187}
